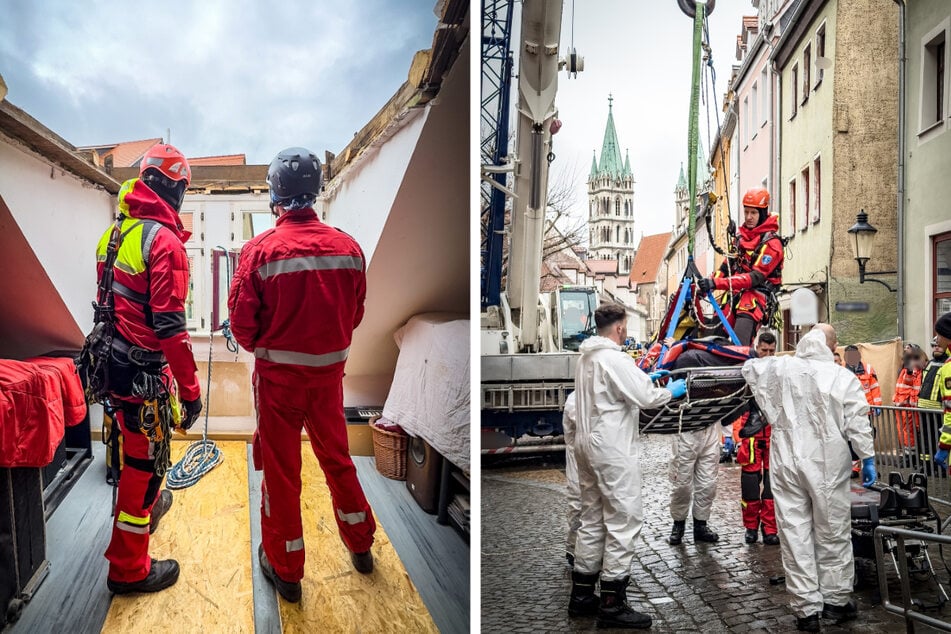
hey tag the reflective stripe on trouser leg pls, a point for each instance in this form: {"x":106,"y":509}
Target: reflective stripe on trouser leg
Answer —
{"x":327,"y":429}
{"x":294,"y":545}
{"x":279,"y":427}
{"x":589,"y":544}
{"x":128,"y":551}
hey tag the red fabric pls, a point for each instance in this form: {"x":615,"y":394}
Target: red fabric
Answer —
{"x":754,"y":459}
{"x":755,"y":254}
{"x":74,"y":399}
{"x":128,"y":552}
{"x":165,"y":282}
{"x":906,"y":395}
{"x":36,"y":401}
{"x":283,"y":410}
{"x":312,"y":312}
{"x":869,"y":380}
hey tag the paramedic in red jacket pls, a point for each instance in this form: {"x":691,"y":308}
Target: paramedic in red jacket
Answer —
{"x":756,"y":268}
{"x":150,"y":286}
{"x":295,"y":299}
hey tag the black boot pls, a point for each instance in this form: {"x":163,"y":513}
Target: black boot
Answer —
{"x":751,"y":535}
{"x":362,"y":562}
{"x":162,"y":574}
{"x":677,"y":533}
{"x":614,"y":611}
{"x":583,"y":601}
{"x":291,"y":591}
{"x":808,"y":623}
{"x":702,"y":532}
{"x":159,"y":509}
{"x":770,"y":539}
{"x":840,"y":613}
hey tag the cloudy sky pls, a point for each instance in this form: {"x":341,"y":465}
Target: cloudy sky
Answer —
{"x":226,"y":76}
{"x":641,"y":53}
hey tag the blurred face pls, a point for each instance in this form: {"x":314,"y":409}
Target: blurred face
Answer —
{"x":936,"y":350}
{"x":750,"y":217}
{"x":765,"y":349}
{"x":838,"y":358}
{"x":853,"y":357}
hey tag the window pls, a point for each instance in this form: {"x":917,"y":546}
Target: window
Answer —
{"x":223,"y":265}
{"x":933,"y":81}
{"x":816,"y":183}
{"x":791,"y":334}
{"x":804,"y":216}
{"x":617,"y":234}
{"x":941,"y":274}
{"x":820,"y":52}
{"x":792,"y":206}
{"x":753,"y":120}
{"x":255,"y":222}
{"x":764,"y":106}
{"x":794,"y":92}
{"x":806,"y":71}
{"x":617,"y":206}
{"x":193,"y":302}
{"x":746,"y":120}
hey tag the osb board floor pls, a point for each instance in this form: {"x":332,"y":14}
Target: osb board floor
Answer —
{"x":336,"y":598}
{"x":208,"y":532}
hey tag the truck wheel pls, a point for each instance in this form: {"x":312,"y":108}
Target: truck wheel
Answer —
{"x":690,"y":7}
{"x":14,"y":609}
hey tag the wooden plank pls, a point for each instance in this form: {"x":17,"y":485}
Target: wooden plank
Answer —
{"x":267,"y":615}
{"x":207,"y":531}
{"x":435,"y":556}
{"x":336,"y":598}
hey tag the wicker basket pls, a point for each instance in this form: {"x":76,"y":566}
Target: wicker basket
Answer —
{"x":389,"y":451}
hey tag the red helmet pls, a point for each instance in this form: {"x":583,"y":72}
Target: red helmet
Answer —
{"x":756,"y":197}
{"x":168,"y":161}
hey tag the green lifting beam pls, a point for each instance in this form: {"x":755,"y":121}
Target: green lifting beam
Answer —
{"x":693,"y":131}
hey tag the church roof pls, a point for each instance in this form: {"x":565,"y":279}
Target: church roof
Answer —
{"x":594,"y":165}
{"x":610,"y":162}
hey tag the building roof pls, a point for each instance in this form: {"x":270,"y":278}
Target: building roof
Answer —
{"x":223,"y":159}
{"x":602,"y":267}
{"x":650,"y":254}
{"x":124,"y":153}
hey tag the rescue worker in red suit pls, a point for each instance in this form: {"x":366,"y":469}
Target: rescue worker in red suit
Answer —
{"x":150,"y":286}
{"x":868,"y":379}
{"x":757,"y":266}
{"x":906,"y":395}
{"x":295,"y":299}
{"x":752,"y":455}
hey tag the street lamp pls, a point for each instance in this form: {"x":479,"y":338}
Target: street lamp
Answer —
{"x":864,"y":237}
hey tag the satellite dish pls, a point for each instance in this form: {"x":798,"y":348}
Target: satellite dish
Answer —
{"x":823,"y":63}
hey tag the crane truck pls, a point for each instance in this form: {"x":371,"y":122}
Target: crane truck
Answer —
{"x":529,"y":339}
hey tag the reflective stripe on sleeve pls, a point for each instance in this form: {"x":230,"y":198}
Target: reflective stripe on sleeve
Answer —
{"x":294,"y":545}
{"x":302,"y":358}
{"x":311,"y":263}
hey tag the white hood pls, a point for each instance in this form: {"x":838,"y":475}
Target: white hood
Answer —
{"x":813,"y":346}
{"x":597,"y":343}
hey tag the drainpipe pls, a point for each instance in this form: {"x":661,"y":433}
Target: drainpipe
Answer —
{"x":901,"y":168}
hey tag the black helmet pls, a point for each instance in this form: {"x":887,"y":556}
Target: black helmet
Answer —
{"x":294,"y":178}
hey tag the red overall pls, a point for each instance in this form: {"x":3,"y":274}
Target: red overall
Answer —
{"x":906,"y":395}
{"x":759,"y":261}
{"x":295,"y":299}
{"x":150,"y":313}
{"x":752,"y":455}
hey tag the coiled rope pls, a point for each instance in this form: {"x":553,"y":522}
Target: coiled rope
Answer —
{"x":202,"y":455}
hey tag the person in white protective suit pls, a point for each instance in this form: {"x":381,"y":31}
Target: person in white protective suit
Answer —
{"x":693,"y":471}
{"x":609,"y":389}
{"x":573,"y":492}
{"x":816,"y":407}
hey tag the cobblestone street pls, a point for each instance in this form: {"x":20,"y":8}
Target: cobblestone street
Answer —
{"x":721,"y":587}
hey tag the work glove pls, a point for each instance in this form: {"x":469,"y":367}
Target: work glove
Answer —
{"x":678,"y":388}
{"x":728,"y":445}
{"x":190,"y":412}
{"x":869,"y":475}
{"x":704,"y":285}
{"x":941,"y":458}
{"x":653,"y":376}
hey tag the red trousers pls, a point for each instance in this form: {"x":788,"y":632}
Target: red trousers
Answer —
{"x":128,"y":552}
{"x":282,"y":411}
{"x":757,"y":497}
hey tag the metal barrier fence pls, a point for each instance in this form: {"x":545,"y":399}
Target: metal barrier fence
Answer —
{"x":906,"y":608}
{"x":906,"y":439}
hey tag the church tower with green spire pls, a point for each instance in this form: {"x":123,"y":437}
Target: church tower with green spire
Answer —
{"x":611,"y":202}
